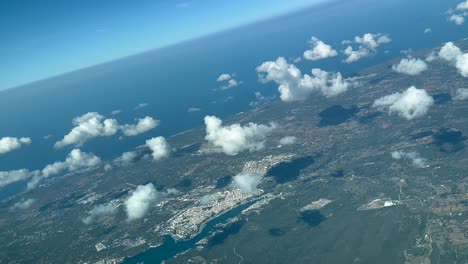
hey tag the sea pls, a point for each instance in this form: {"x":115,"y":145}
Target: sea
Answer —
{"x":172,"y":79}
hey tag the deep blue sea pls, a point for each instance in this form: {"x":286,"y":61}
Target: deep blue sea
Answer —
{"x":174,"y":78}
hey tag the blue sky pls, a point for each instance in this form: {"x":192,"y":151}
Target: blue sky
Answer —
{"x":44,"y":38}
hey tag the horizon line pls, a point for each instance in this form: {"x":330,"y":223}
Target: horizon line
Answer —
{"x":181,"y":42}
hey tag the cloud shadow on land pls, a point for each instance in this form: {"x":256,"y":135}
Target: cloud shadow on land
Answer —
{"x":449,"y":140}
{"x":229,"y":229}
{"x":337,"y":174}
{"x":276,"y":232}
{"x":289,"y":170}
{"x":441,"y":98}
{"x":223,"y":182}
{"x":312,"y":217}
{"x":336,"y":114}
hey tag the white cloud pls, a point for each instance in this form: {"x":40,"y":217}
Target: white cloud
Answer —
{"x":8,"y":144}
{"x":140,"y":105}
{"x":463,"y":5}
{"x":462,"y":64}
{"x":23,"y":204}
{"x":432,"y":56}
{"x":427,"y":30}
{"x":229,"y":79}
{"x":100,"y":211}
{"x":293,"y":86}
{"x":88,"y":126}
{"x":396,"y":155}
{"x":159,"y":147}
{"x":125,"y":159}
{"x":368,"y":45}
{"x":288,"y":140}
{"x":410,"y":104}
{"x":461,"y":94}
{"x":140,"y":200}
{"x":224,"y":77}
{"x":116,"y":112}
{"x":458,"y":15}
{"x":143,"y":125}
{"x":107,"y":167}
{"x":246,"y":183}
{"x":355,"y":55}
{"x":372,"y":41}
{"x":457,"y":19}
{"x":297,"y":60}
{"x":329,"y":84}
{"x":235,"y":138}
{"x":193,"y":109}
{"x":416,"y":160}
{"x":410,"y":66}
{"x":8,"y":177}
{"x":231,"y":83}
{"x":451,"y":53}
{"x":75,"y":160}
{"x":171,"y":191}
{"x":319,"y":50}
{"x":207,"y":199}
{"x":407,"y":51}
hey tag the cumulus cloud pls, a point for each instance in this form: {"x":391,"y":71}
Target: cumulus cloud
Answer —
{"x":355,"y":55}
{"x":235,"y":138}
{"x":427,"y":30}
{"x":288,"y":140}
{"x":159,"y":147}
{"x":143,"y":125}
{"x":450,"y":52}
{"x":125,"y":159}
{"x":140,"y":201}
{"x":8,"y":177}
{"x":294,"y":86}
{"x":75,"y":160}
{"x":416,"y":160}
{"x":453,"y":54}
{"x":229,"y":80}
{"x":372,"y":40}
{"x":23,"y":204}
{"x":410,"y":104}
{"x":246,"y":183}
{"x":461,"y":94}
{"x":462,"y":64}
{"x":224,"y":77}
{"x":410,"y":66}
{"x":458,"y":15}
{"x":88,"y":126}
{"x":319,"y":50}
{"x":457,"y":19}
{"x":100,"y":211}
{"x":463,"y":5}
{"x":8,"y":144}
{"x":367,"y":45}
